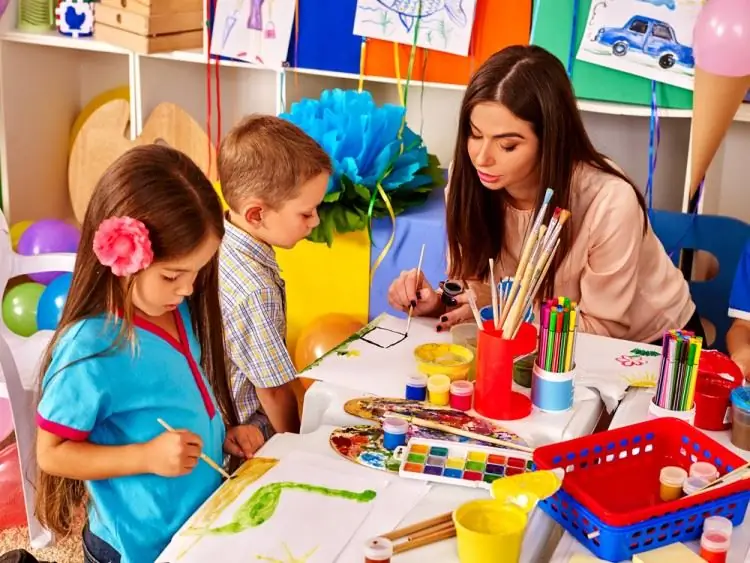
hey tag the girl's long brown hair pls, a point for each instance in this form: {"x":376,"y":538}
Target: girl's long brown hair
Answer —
{"x":165,"y":190}
{"x":533,"y":85}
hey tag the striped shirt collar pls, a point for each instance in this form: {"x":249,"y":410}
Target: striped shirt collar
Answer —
{"x":250,"y":246}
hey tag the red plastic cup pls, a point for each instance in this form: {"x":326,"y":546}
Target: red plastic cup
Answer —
{"x":717,"y":376}
{"x":493,"y":390}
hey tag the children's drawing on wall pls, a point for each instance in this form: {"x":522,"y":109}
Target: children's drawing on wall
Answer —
{"x":649,"y":38}
{"x":256,"y":31}
{"x":442,"y":25}
{"x":269,"y":512}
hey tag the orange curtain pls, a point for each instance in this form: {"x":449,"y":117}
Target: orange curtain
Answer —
{"x":497,"y":24}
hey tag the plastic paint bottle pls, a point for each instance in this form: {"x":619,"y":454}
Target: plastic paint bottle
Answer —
{"x":704,"y":470}
{"x":378,"y":550}
{"x":693,"y":484}
{"x":716,"y":538}
{"x":439,"y":388}
{"x":671,"y":479}
{"x":461,"y":394}
{"x":394,"y":432}
{"x":416,"y":387}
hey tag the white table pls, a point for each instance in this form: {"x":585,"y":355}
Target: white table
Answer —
{"x":439,"y":500}
{"x":634,"y":409}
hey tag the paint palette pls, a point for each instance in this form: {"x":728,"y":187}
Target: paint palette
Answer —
{"x":463,"y":464}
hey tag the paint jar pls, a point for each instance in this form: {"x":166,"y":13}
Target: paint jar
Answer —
{"x":716,"y":539}
{"x":416,"y":387}
{"x":671,"y":479}
{"x":378,"y":550}
{"x":493,"y":391}
{"x":439,"y":387}
{"x":461,"y":394}
{"x":552,"y":392}
{"x":394,"y":432}
{"x":655,"y":411}
{"x":489,"y":531}
{"x":704,"y":470}
{"x":741,"y":418}
{"x":693,"y":485}
{"x":717,"y":376}
{"x":465,"y":334}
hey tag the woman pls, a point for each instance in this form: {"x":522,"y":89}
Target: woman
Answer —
{"x":520,"y":132}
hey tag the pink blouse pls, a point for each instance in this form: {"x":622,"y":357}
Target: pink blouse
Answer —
{"x":624,"y":282}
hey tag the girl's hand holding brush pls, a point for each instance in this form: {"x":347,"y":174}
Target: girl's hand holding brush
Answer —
{"x":172,"y":454}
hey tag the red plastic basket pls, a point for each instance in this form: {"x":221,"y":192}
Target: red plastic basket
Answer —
{"x":615,"y":474}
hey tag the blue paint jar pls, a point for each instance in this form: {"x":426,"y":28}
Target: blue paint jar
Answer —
{"x":416,"y":387}
{"x":394,"y":432}
{"x":552,"y":392}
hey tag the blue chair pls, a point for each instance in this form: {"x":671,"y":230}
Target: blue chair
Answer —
{"x":725,"y":238}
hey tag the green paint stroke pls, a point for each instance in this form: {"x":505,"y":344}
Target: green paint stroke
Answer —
{"x":646,"y":353}
{"x":263,"y":503}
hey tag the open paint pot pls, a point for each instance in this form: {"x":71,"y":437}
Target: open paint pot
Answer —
{"x":488,"y":531}
{"x":718,"y":375}
{"x":394,"y":432}
{"x":443,"y":358}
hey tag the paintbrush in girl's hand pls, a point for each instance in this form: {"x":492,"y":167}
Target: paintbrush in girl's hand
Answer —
{"x":419,"y":273}
{"x":211,"y":463}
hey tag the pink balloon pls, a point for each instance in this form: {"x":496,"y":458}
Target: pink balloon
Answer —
{"x":721,"y":38}
{"x":6,"y":419}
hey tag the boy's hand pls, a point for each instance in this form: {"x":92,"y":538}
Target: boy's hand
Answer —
{"x":742,"y":359}
{"x":172,"y":454}
{"x":243,"y":441}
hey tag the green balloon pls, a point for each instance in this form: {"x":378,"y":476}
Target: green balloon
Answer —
{"x":19,"y":308}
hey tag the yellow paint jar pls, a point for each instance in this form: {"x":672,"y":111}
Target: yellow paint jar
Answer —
{"x":671,"y":479}
{"x":438,"y":386}
{"x":488,"y":531}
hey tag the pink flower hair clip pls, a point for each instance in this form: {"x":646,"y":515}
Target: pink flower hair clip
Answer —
{"x":123,"y":244}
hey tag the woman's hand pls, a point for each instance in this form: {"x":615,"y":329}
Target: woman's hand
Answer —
{"x":243,"y":441}
{"x":462,"y":313}
{"x":408,"y":291}
{"x":172,"y":454}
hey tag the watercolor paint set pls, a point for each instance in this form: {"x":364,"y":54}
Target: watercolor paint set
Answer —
{"x":459,"y":463}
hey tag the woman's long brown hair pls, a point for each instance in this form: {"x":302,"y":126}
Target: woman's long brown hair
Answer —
{"x":533,"y":85}
{"x":165,"y":190}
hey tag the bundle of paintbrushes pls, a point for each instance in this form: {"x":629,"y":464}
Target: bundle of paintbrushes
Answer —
{"x":537,"y":255}
{"x":678,"y":375}
{"x":557,"y":333}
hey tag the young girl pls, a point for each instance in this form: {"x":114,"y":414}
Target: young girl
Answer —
{"x":519,"y":133}
{"x":140,"y":340}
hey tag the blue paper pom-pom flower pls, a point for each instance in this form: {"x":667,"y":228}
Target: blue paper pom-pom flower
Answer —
{"x":368,"y":146}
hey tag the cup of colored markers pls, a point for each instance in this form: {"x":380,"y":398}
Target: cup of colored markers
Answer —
{"x":394,"y":432}
{"x":678,"y":376}
{"x":553,"y":376}
{"x":416,"y":387}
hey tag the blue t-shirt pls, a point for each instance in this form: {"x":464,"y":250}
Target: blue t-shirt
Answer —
{"x":115,"y":399}
{"x":739,"y":299}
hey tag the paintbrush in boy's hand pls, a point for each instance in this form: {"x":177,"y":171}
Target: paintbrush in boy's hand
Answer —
{"x":419,"y":273}
{"x":211,"y":463}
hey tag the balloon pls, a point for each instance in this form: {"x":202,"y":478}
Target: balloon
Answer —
{"x":47,"y":236}
{"x":321,"y":335}
{"x":721,"y":37}
{"x":6,"y":419}
{"x":52,"y":301}
{"x":19,"y":308}
{"x":12,"y":507}
{"x":17,"y":230}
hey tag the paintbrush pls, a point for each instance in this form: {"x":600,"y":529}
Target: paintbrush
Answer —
{"x":419,"y":273}
{"x":422,"y":533}
{"x":493,"y":291}
{"x":474,"y":310}
{"x":211,"y":463}
{"x":461,"y":432}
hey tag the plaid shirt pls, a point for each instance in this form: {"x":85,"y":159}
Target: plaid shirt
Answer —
{"x":253,"y":303}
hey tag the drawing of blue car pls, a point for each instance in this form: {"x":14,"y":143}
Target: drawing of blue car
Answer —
{"x":649,"y":36}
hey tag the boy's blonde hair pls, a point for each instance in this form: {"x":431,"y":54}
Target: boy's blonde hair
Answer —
{"x":268,"y":158}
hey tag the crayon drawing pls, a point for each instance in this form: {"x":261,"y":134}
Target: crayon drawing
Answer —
{"x":268,"y":512}
{"x":648,"y":38}
{"x":443,"y":25}
{"x":255,"y":31}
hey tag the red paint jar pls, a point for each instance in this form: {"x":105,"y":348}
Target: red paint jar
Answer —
{"x":461,"y":395}
{"x":716,"y":539}
{"x":718,"y":375}
{"x":493,"y":390}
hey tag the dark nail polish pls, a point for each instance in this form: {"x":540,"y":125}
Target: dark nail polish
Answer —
{"x":439,"y":328}
{"x":413,"y":303}
{"x":444,"y":319}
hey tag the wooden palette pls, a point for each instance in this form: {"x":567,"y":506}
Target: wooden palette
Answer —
{"x":105,"y":136}
{"x":377,"y":408}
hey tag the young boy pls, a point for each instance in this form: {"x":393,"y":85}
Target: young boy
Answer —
{"x":738,"y":336}
{"x":273,"y":177}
